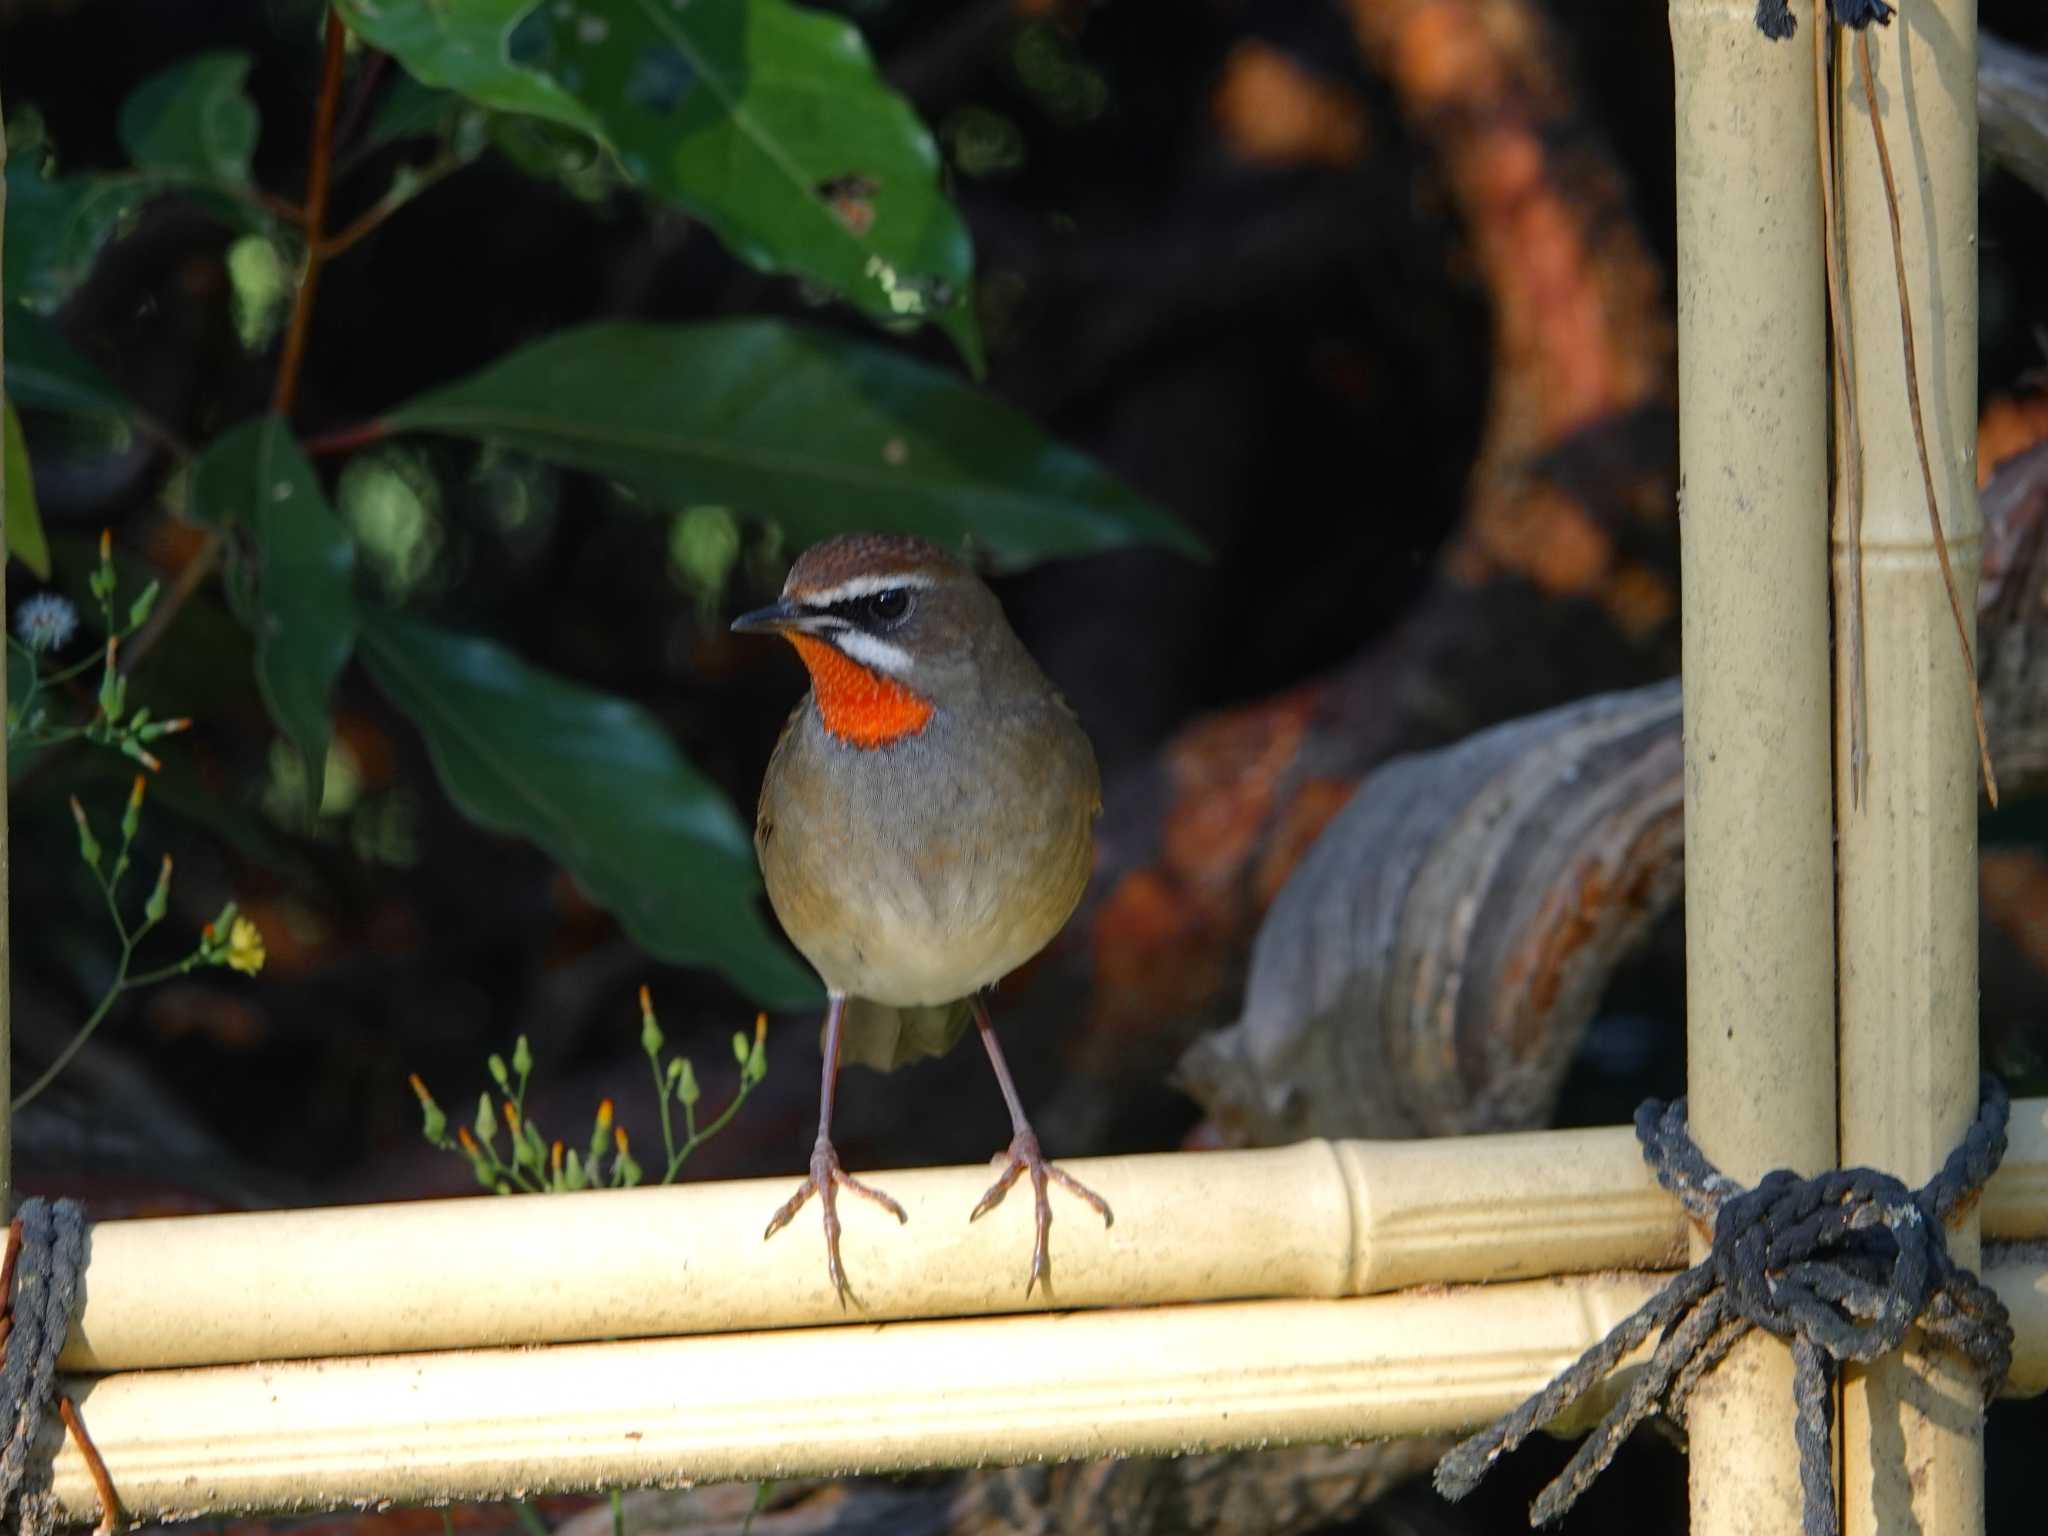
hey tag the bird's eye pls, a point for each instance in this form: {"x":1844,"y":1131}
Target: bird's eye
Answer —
{"x":886,"y":607}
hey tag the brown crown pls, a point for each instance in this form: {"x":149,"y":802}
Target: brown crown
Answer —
{"x":824,"y":566}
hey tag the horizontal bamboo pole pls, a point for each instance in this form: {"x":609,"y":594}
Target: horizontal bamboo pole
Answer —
{"x":425,"y":1428}
{"x":1319,"y":1219}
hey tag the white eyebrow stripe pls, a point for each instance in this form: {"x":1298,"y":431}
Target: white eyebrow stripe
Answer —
{"x":878,"y":655}
{"x":863,"y":586}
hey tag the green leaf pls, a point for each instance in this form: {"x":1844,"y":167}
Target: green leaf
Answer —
{"x":408,"y":109}
{"x":597,"y":784}
{"x":766,"y":120}
{"x":464,"y":46}
{"x":24,"y":525}
{"x":304,"y":613}
{"x":815,"y":432}
{"x":45,"y":371}
{"x":57,"y":225}
{"x":194,"y":120}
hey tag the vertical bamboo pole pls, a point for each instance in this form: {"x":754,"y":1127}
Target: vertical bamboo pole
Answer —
{"x":1753,"y":541}
{"x":1912,"y":1444}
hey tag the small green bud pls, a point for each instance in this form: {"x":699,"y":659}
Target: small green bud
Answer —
{"x":103,"y":579}
{"x":131,"y":819}
{"x":572,"y":1171}
{"x":226,"y":921}
{"x":138,"y":611}
{"x":497,"y":1066}
{"x":687,"y":1092}
{"x":650,"y":1032}
{"x":625,"y":1170}
{"x":88,"y":845}
{"x":159,"y":899}
{"x":486,"y":1119}
{"x":435,"y":1128}
{"x":757,"y":1059}
{"x":113,"y":687}
{"x":600,"y":1132}
{"x":741,"y":1050}
{"x":531,"y":1147}
{"x":522,"y":1059}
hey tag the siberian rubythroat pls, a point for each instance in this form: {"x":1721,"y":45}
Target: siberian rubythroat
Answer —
{"x":926,"y":827}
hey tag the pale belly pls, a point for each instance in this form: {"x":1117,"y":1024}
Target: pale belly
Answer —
{"x":919,"y":899}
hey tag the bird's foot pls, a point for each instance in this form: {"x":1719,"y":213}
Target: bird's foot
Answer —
{"x":825,"y":1180}
{"x":1023,"y":1157}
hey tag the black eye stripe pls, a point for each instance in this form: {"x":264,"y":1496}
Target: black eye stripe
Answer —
{"x":873,"y":609}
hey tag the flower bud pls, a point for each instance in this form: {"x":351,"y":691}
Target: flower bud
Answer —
{"x":498,"y":1076}
{"x":113,"y":686}
{"x":159,"y":899}
{"x":650,"y":1032}
{"x":486,"y":1119}
{"x":435,"y":1128}
{"x":138,"y":611}
{"x":522,"y":1058}
{"x":131,"y":821}
{"x":687,"y":1092}
{"x":88,"y":845}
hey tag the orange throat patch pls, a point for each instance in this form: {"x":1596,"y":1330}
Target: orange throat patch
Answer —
{"x":860,"y":707}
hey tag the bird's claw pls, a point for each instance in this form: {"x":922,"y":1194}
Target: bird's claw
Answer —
{"x":825,"y":1180}
{"x":1024,"y":1156}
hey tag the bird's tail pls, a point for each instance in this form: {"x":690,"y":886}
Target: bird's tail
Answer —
{"x":885,"y":1038}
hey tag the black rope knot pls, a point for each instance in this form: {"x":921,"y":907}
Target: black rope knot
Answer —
{"x":1775,"y":20}
{"x":45,"y":1295}
{"x":1843,"y":1266}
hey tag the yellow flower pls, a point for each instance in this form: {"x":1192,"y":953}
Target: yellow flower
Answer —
{"x":245,"y":947}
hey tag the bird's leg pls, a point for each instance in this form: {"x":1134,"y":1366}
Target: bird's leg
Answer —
{"x":826,"y":1176}
{"x":1025,"y":1156}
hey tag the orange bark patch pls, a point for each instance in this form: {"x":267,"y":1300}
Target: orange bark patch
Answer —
{"x":2015,"y":887}
{"x":1158,"y":954}
{"x":1640,"y":601}
{"x":2009,"y":428}
{"x":1300,"y":823}
{"x":1225,"y":771}
{"x":861,"y":708}
{"x":1274,"y":112}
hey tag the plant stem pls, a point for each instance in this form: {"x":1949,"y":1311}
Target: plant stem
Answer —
{"x":668,"y":1135}
{"x":698,"y":1138}
{"x":85,"y":1033}
{"x":318,"y":175}
{"x":344,"y":438}
{"x":284,"y":395}
{"x":396,"y":198}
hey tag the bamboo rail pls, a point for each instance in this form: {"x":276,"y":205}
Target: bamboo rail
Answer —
{"x":1753,"y":472}
{"x":859,"y":1397}
{"x":1320,"y":1219}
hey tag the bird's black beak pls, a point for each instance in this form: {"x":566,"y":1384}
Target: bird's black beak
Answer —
{"x":772,"y":620}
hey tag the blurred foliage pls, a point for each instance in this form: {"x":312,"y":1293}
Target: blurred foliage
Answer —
{"x":766,"y":122}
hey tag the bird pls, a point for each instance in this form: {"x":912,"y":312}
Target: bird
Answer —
{"x":926,"y":826}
